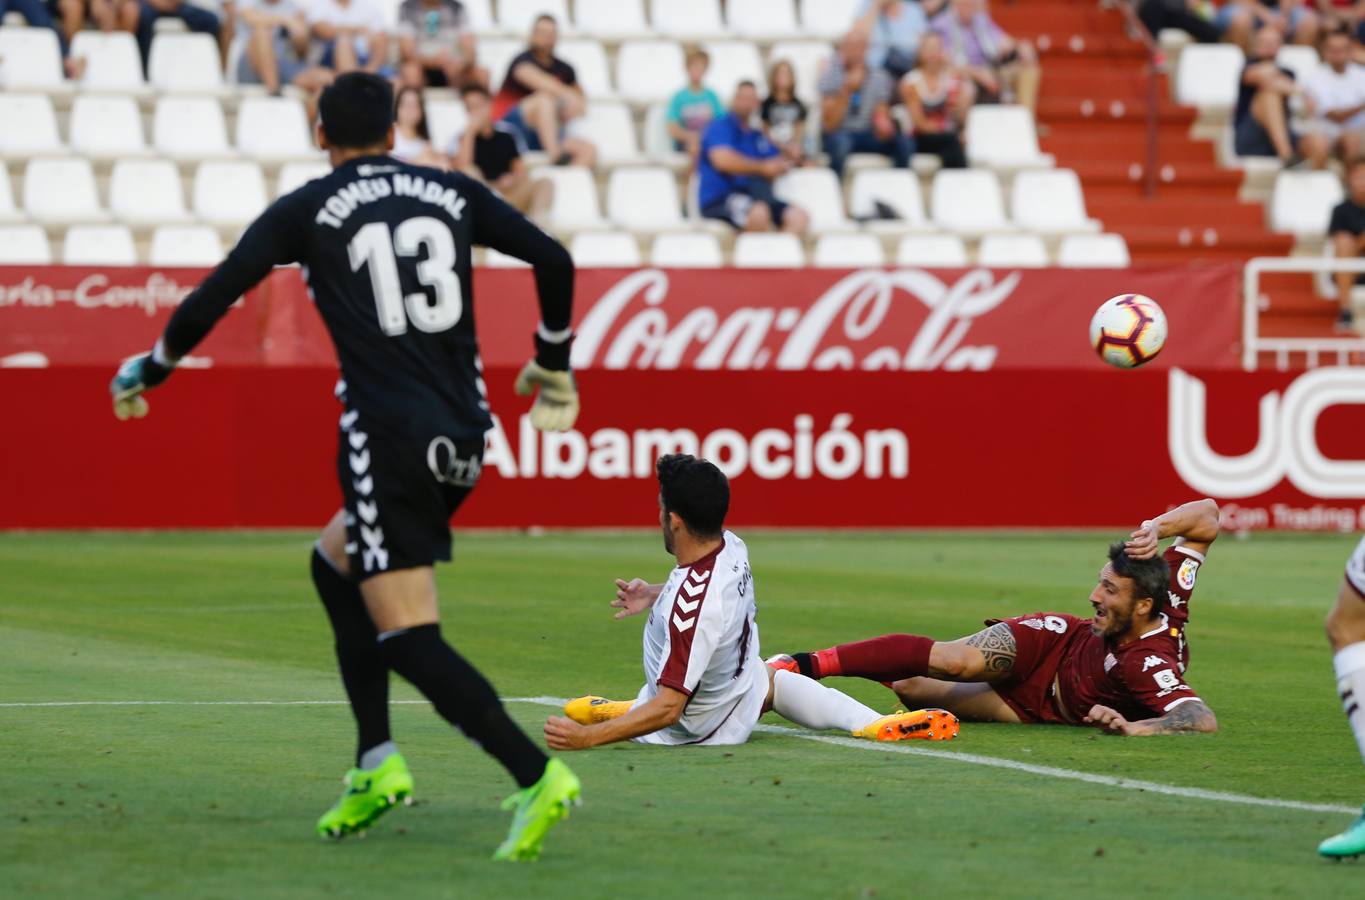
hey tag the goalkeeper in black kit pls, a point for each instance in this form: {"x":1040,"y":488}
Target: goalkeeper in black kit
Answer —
{"x":386,"y":252}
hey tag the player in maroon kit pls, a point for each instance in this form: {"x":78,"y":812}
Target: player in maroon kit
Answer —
{"x":1123,"y":669}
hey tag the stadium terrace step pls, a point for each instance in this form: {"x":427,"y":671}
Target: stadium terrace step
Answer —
{"x":1123,"y":149}
{"x":1110,"y":179}
{"x":1027,"y":18}
{"x":1056,"y":110}
{"x":1184,"y":212}
{"x":1093,"y":79}
{"x":1186,"y":243}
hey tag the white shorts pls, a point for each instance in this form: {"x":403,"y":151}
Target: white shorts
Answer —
{"x":1355,"y":568}
{"x":735,"y":729}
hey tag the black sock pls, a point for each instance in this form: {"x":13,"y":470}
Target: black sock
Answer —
{"x":363,"y":670}
{"x":804,"y":663}
{"x":464,"y":698}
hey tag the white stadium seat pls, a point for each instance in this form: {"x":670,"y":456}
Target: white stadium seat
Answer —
{"x":755,"y":250}
{"x":650,"y":71}
{"x":61,"y":191}
{"x":763,"y":19}
{"x":1302,"y":202}
{"x":686,"y":250}
{"x":1093,"y":251}
{"x":731,"y":63}
{"x":1208,"y":76}
{"x":687,"y":19}
{"x":1300,"y":59}
{"x":517,"y":16}
{"x":496,"y":54}
{"x":932,"y":251}
{"x":605,"y":250}
{"x":185,"y":63}
{"x":274,"y":128}
{"x":28,"y":126}
{"x":98,"y":245}
{"x":968,"y":201}
{"x":658,"y":144}
{"x":446,"y":121}
{"x":817,"y":191}
{"x":185,"y":245}
{"x":897,"y":188}
{"x":611,"y":128}
{"x":644,"y":199}
{"x":8,"y":211}
{"x":1012,"y":251}
{"x":611,"y":18}
{"x":111,"y":61}
{"x":1003,"y":137}
{"x":480,"y":14}
{"x":190,"y":128}
{"x":828,"y":18}
{"x":848,"y":251}
{"x":30,"y":58}
{"x":808,"y":59}
{"x":24,"y":245}
{"x":589,"y":61}
{"x":229,"y":193}
{"x":295,"y":175}
{"x":498,"y":260}
{"x":146,"y":191}
{"x":105,"y":126}
{"x":1050,"y":201}
{"x":575,"y":205}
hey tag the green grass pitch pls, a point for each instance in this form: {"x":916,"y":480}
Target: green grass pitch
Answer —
{"x":219,"y":801}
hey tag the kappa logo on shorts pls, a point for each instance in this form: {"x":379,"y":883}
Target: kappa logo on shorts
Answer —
{"x":1185,"y":576}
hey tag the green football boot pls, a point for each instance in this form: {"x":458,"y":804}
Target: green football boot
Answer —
{"x":537,"y":808}
{"x":1347,"y":845}
{"x":369,"y":794}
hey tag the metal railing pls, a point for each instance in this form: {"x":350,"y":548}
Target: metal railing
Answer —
{"x":1314,"y":350}
{"x":1149,"y":42}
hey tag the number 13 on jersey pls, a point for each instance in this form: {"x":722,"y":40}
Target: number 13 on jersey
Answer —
{"x":374,"y":245}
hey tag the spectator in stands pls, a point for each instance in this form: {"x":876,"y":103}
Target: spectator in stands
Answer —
{"x":1337,"y":88}
{"x":353,"y":34}
{"x":411,"y":139}
{"x":1004,"y":70}
{"x":541,"y":95}
{"x":491,"y":151}
{"x":274,"y":36}
{"x":937,"y":98}
{"x":1347,"y":233}
{"x":893,"y":29}
{"x":736,"y":168}
{"x":855,"y":108}
{"x":693,"y":107}
{"x":1187,"y":16}
{"x":104,"y":13}
{"x":196,"y":18}
{"x":1291,"y":18}
{"x":436,"y":46}
{"x":784,"y":116}
{"x":1261,"y":121}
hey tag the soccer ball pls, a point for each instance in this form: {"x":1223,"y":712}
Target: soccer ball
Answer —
{"x":1128,"y":330}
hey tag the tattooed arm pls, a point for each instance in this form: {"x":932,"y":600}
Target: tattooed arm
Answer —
{"x":998,"y":650}
{"x":1190,"y":717}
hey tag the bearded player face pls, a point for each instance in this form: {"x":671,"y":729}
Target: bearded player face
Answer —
{"x":1114,"y":602}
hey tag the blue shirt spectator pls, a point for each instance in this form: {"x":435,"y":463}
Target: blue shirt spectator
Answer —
{"x":735,"y":168}
{"x":893,"y":31}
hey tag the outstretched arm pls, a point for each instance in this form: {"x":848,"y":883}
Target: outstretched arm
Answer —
{"x":660,"y":711}
{"x":1196,"y":522}
{"x":1190,"y":717}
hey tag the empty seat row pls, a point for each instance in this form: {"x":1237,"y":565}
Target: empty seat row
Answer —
{"x":1209,"y":75}
{"x":111,"y":245}
{"x":30,"y":58}
{"x":1302,"y":202}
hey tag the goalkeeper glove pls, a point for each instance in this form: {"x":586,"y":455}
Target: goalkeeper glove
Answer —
{"x":137,"y":374}
{"x":556,"y":404}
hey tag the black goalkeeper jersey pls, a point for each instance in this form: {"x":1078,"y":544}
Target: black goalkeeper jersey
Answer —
{"x":386,"y":253}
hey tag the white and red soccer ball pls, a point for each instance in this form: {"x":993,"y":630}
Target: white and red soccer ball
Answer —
{"x":1128,"y":330}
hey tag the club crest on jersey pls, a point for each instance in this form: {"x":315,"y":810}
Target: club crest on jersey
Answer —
{"x":1185,"y":576}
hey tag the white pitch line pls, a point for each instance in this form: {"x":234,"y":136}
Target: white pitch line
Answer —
{"x":1128,"y":784}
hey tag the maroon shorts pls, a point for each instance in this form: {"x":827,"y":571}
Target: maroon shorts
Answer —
{"x":1041,"y":641}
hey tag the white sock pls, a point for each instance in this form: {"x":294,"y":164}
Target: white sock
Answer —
{"x":1350,"y":665}
{"x":809,"y":703}
{"x":375,"y":756}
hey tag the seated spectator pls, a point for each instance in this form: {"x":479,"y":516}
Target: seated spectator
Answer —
{"x":1337,"y":89}
{"x":541,"y":95}
{"x":1291,"y":18}
{"x":937,"y":98}
{"x":736,"y":168}
{"x":275,"y":44}
{"x":436,"y":46}
{"x":1261,"y":121}
{"x":1187,"y":16}
{"x":73,"y":14}
{"x":893,"y":29}
{"x":411,"y":139}
{"x":196,"y":18}
{"x":1347,"y":233}
{"x":1004,"y":70}
{"x":693,"y":107}
{"x":491,"y":152}
{"x":353,"y":34}
{"x":784,"y":116}
{"x":855,"y":108}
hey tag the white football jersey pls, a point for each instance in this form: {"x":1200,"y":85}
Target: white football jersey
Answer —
{"x":701,"y":639}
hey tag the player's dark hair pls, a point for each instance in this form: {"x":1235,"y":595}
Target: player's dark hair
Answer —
{"x":356,"y":110}
{"x":1151,"y":577}
{"x":696,"y":490}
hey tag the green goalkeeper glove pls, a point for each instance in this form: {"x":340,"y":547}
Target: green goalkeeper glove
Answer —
{"x":137,"y":374}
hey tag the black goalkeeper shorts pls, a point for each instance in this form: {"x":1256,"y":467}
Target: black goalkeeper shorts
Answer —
{"x":399,"y":496}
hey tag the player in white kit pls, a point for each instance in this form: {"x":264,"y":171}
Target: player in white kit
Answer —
{"x":705,"y":682}
{"x":1346,"y":633}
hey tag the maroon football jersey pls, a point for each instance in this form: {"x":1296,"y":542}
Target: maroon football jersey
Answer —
{"x":1143,"y":679}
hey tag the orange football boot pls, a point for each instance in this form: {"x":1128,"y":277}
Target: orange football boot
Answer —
{"x":922,"y":725}
{"x":783,"y":663}
{"x":591,"y":710}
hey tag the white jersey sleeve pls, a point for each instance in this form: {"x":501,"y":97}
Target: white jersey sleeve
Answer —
{"x":1355,"y":568}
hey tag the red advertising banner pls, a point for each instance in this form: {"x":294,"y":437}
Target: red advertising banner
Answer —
{"x":737,"y":320}
{"x":1028,"y":448}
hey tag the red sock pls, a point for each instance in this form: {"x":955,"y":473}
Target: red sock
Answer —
{"x":886,"y":658}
